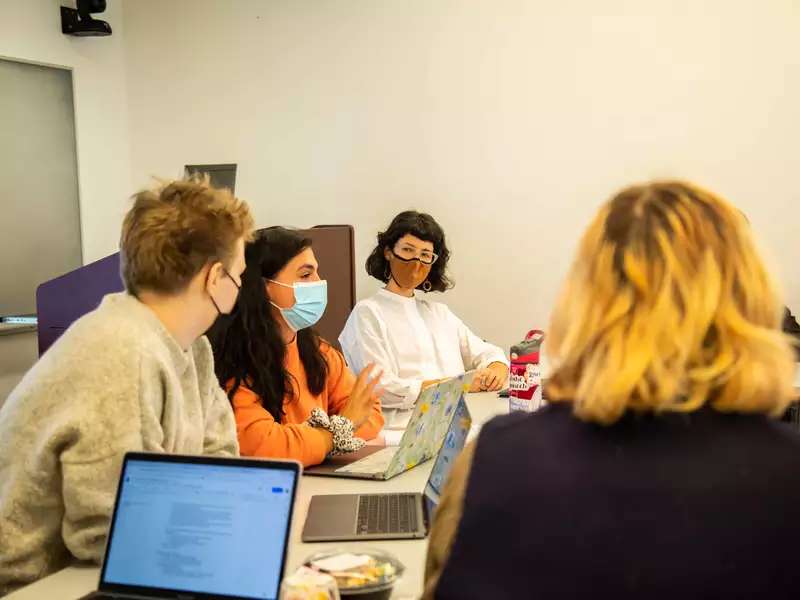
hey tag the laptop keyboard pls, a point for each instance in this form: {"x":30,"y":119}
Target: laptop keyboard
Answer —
{"x":387,"y":513}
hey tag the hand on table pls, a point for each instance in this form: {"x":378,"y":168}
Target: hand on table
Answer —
{"x":490,"y":379}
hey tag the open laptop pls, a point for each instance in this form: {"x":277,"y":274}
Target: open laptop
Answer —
{"x":337,"y":517}
{"x":192,"y":527}
{"x":421,"y":440}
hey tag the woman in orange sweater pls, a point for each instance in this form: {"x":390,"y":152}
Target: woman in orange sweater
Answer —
{"x":292,"y":393}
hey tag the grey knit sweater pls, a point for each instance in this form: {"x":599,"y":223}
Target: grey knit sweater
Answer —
{"x":115,"y":381}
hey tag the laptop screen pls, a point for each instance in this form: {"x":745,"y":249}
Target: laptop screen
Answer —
{"x":452,"y":445}
{"x":201,"y":528}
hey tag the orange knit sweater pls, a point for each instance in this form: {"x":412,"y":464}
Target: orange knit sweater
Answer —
{"x":260,"y":435}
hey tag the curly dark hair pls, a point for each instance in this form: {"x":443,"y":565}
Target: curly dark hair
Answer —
{"x":422,"y":226}
{"x":248,"y":347}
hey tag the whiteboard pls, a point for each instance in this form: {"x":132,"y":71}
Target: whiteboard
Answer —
{"x":40,"y":233}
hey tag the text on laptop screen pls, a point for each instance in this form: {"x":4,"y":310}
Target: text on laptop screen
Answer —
{"x":201,"y":528}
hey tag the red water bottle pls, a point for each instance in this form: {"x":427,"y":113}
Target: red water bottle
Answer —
{"x":525,"y":380}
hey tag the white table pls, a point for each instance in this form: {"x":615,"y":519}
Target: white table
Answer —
{"x":73,"y":582}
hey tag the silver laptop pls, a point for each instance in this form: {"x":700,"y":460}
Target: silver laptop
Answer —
{"x":338,"y":517}
{"x":191,"y":527}
{"x":421,"y":439}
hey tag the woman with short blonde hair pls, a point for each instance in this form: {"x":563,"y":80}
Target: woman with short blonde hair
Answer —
{"x":135,"y":374}
{"x":656,"y":470}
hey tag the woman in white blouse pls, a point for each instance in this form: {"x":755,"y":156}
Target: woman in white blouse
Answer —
{"x":415,"y":341}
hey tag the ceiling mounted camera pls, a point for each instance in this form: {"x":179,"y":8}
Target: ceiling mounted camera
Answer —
{"x":80,"y":21}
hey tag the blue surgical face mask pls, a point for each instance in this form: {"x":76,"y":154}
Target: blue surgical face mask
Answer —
{"x":310,"y":300}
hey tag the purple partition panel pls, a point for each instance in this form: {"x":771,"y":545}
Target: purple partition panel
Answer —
{"x":63,"y":300}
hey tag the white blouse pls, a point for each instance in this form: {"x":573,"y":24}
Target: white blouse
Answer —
{"x":412,"y":340}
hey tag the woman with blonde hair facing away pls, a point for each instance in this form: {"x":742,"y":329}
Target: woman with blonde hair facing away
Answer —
{"x":658,"y":470}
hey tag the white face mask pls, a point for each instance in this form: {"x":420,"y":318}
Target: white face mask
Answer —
{"x":310,"y":301}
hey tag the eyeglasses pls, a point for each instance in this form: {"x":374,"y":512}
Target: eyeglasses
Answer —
{"x":408,"y":253}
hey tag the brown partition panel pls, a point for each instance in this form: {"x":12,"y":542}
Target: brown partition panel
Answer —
{"x":335,"y":252}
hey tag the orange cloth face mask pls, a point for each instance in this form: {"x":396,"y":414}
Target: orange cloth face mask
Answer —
{"x":409,"y":274}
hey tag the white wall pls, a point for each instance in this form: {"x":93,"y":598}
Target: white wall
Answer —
{"x":508,"y":121}
{"x":31,"y":31}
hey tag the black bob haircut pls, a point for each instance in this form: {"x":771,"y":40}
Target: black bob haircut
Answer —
{"x":422,"y":226}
